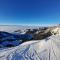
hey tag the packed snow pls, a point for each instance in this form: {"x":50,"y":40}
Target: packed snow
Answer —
{"x":46,"y":49}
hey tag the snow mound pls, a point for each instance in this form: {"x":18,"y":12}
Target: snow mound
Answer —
{"x":47,"y":49}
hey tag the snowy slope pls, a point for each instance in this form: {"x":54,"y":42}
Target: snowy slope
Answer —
{"x":47,"y":49}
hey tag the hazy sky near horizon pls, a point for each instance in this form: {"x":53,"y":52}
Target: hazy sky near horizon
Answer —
{"x":32,"y":12}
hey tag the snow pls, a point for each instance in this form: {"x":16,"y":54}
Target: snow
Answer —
{"x":14,"y":43}
{"x":46,"y":49}
{"x":10,"y":39}
{"x":56,"y":31}
{"x":30,"y":42}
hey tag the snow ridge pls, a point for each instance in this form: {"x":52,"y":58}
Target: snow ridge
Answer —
{"x":34,"y":50}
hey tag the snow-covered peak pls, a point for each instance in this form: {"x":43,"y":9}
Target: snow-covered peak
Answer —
{"x":56,"y":31}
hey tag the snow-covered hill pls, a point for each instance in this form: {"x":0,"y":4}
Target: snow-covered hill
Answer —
{"x":47,"y":49}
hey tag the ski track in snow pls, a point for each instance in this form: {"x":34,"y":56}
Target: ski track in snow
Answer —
{"x":34,"y":50}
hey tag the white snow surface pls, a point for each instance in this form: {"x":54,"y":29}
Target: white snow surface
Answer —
{"x":47,"y":49}
{"x":56,"y":31}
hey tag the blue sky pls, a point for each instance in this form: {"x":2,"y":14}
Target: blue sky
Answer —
{"x":29,"y":12}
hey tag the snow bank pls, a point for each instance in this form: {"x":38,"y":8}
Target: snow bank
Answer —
{"x":47,"y":49}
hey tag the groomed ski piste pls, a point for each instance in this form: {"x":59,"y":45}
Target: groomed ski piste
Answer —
{"x":46,"y":49}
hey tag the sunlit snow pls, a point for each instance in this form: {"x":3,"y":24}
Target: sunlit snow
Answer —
{"x":47,"y":49}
